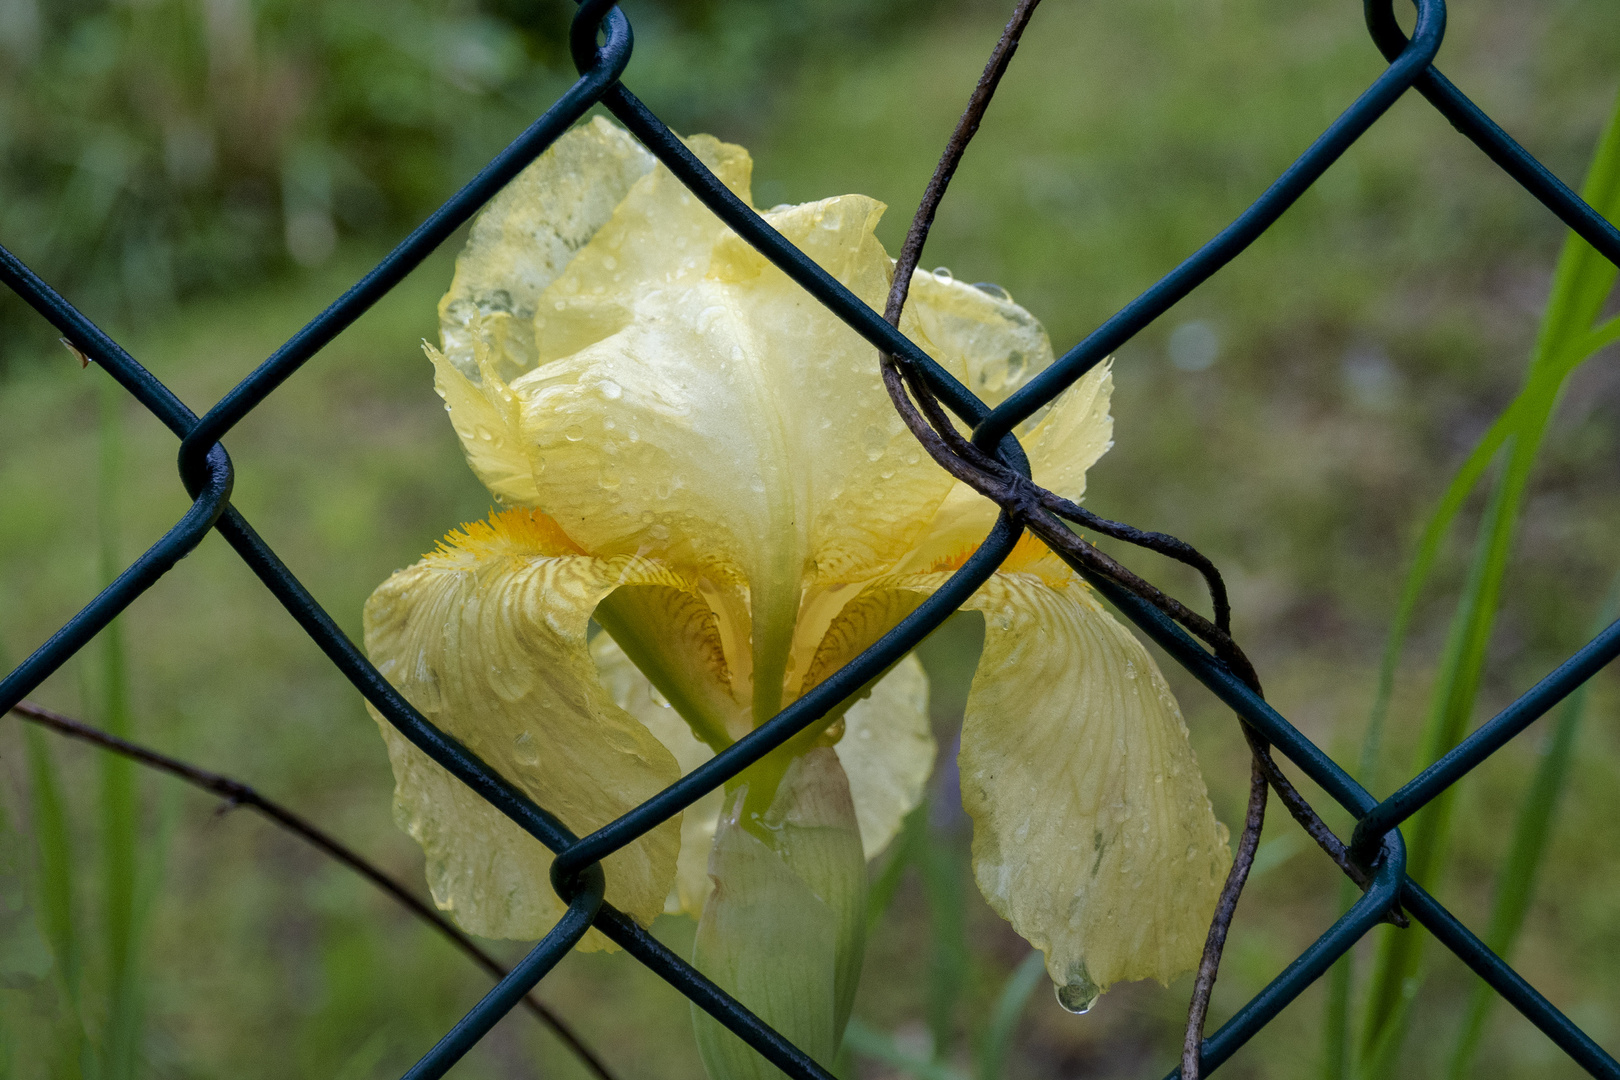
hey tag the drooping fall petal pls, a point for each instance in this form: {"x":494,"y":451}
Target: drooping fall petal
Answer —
{"x":1093,"y":833}
{"x":633,"y":693}
{"x":487,"y":638}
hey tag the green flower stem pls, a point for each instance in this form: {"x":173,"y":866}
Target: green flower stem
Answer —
{"x":785,"y":929}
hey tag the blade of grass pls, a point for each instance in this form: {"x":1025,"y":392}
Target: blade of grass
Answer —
{"x":1517,"y":881}
{"x":237,"y":794}
{"x":943,"y":869}
{"x":1456,"y":688}
{"x":53,"y":848}
{"x":119,"y":824}
{"x":997,"y":1040}
{"x":902,"y":853}
{"x":1581,"y":285}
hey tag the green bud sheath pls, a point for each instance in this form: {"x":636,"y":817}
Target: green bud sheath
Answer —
{"x":785,"y":929}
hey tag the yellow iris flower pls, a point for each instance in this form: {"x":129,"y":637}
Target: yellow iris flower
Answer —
{"x":694,"y":452}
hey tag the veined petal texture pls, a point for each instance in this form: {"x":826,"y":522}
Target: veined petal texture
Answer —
{"x":675,"y":395}
{"x":1093,"y":834}
{"x":487,"y":638}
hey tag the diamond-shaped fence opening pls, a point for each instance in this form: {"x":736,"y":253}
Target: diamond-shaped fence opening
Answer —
{"x":207,"y":473}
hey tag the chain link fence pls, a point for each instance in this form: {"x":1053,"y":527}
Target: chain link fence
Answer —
{"x":601,"y":44}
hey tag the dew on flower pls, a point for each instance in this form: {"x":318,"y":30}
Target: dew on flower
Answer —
{"x":875,"y":441}
{"x":796,"y":517}
{"x":1079,"y":994}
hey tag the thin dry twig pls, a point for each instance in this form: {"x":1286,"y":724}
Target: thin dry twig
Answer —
{"x":1192,"y":1044}
{"x":1044,"y":513}
{"x":235,"y":793}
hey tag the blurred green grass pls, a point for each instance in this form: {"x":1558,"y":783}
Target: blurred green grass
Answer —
{"x":1359,"y":349}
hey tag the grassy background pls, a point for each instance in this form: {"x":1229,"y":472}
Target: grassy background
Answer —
{"x":1360,"y":348}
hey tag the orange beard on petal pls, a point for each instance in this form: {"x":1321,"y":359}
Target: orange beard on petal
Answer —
{"x":522,"y":530}
{"x":1029,"y":556}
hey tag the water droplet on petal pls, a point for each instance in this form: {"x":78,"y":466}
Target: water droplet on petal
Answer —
{"x":612,"y":390}
{"x":990,"y":288}
{"x":611,"y":479}
{"x":943,"y":275}
{"x":707,"y":317}
{"x":525,"y":749}
{"x":1079,"y":995}
{"x":573,"y":433}
{"x":875,"y":442}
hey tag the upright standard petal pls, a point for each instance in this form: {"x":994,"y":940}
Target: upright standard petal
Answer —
{"x":1062,"y":446}
{"x":487,"y":638}
{"x":1093,"y":832}
{"x":527,"y":236}
{"x":519,"y":244}
{"x":678,"y":396}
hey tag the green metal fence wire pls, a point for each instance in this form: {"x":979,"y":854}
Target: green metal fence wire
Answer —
{"x":601,"y":43}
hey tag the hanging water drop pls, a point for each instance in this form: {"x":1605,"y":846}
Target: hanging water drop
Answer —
{"x":943,"y":275}
{"x":1079,"y":995}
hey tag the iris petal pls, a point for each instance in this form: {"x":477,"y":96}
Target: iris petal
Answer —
{"x":1093,"y":832}
{"x":661,"y":389}
{"x":1062,"y":446}
{"x":888,"y":753}
{"x":632,"y":692}
{"x":487,"y":638}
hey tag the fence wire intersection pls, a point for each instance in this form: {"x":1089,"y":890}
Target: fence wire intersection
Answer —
{"x":207,"y":474}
